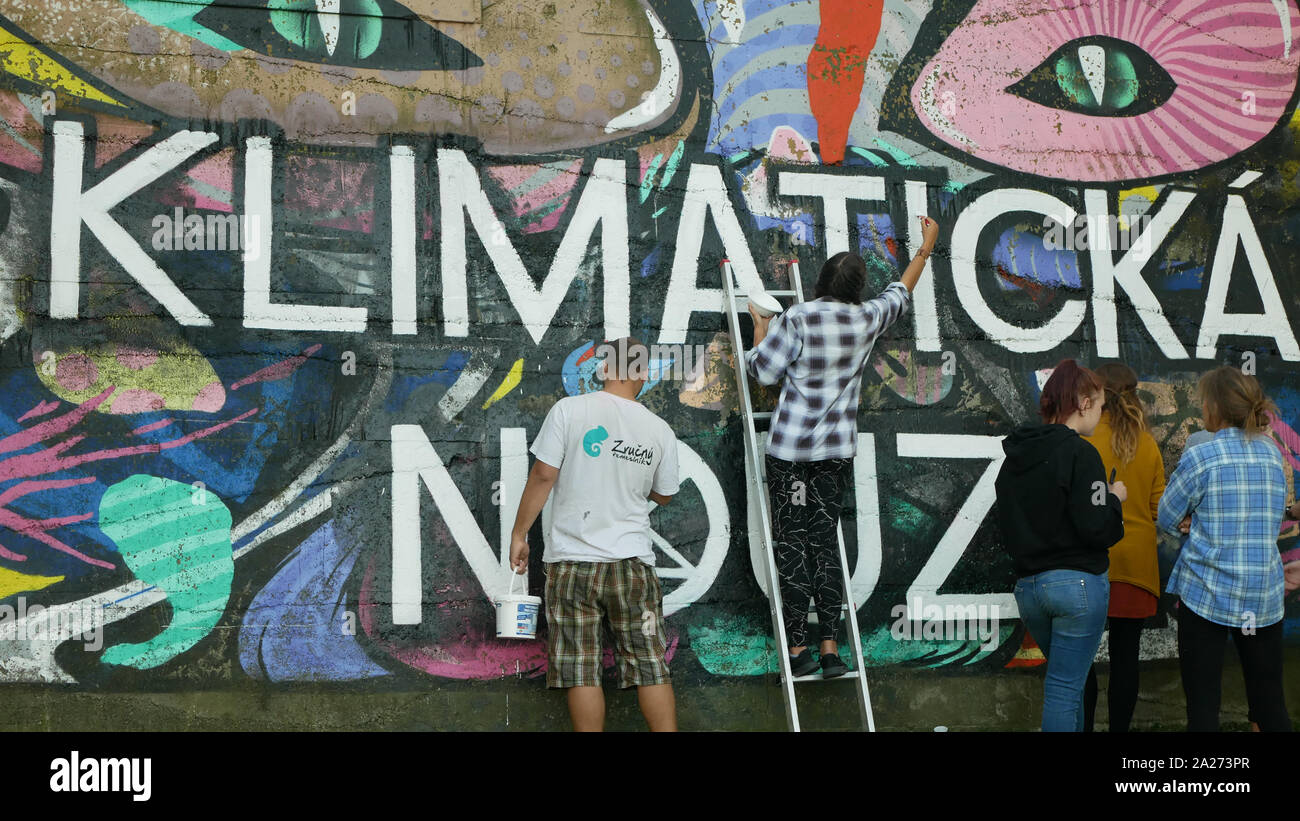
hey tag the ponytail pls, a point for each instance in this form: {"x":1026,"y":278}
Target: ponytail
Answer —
{"x":1123,"y":408}
{"x":1235,"y":399}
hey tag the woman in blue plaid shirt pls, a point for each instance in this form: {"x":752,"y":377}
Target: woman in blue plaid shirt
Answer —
{"x":817,"y":350}
{"x":1228,"y":495}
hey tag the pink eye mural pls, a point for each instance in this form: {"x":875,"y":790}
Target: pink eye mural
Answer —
{"x":1109,"y":90}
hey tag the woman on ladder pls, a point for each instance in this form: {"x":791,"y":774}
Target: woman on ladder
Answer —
{"x":818,"y":350}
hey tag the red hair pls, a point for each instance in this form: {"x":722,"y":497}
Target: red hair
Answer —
{"x":1068,"y":382}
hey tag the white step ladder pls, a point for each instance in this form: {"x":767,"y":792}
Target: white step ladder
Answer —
{"x":735,"y":304}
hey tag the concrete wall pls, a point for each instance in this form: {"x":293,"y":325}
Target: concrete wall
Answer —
{"x":288,"y":287}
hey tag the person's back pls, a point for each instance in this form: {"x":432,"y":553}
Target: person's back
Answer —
{"x":1048,"y":508}
{"x":610,"y":450}
{"x":1133,"y":558}
{"x":821,"y":360}
{"x":1229,"y":492}
{"x":1229,"y":564}
{"x":606,"y":457}
{"x":1058,"y":516}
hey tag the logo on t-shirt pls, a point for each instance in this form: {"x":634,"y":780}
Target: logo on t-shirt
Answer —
{"x":591,"y":440}
{"x":638,"y":454}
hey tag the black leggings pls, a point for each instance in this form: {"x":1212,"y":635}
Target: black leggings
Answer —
{"x":1200,"y":657}
{"x":807,"y":499}
{"x":1122,"y":690}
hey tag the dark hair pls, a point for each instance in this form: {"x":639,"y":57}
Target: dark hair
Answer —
{"x":1123,"y":408}
{"x":842,"y":278}
{"x":1060,"y":397}
{"x":1235,"y":399}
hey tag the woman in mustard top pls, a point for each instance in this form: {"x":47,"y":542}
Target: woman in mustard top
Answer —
{"x":1129,"y":449}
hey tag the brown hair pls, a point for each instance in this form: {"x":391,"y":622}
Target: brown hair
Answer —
{"x":1234,"y":399}
{"x":1123,"y":409}
{"x":1060,"y":397}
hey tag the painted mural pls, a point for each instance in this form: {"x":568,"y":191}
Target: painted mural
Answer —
{"x":287,"y":287}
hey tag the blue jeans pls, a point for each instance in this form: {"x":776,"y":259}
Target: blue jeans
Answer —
{"x":1065,"y":612}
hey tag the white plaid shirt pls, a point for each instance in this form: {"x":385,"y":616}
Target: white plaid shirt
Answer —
{"x":820,"y":349}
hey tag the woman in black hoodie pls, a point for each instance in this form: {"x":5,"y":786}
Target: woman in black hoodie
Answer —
{"x":1059,"y":516}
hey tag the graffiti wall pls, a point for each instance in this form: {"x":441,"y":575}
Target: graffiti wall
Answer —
{"x":288,"y":287}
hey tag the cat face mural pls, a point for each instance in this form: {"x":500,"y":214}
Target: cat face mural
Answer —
{"x":1104,"y":90}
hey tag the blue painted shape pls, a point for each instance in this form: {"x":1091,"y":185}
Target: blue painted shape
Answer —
{"x":651,"y":261}
{"x":297,"y":628}
{"x":1026,"y":255}
{"x":446,"y":374}
{"x":1180,"y":276}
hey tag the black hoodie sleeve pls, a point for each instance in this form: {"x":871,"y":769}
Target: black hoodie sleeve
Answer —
{"x":1099,"y":525}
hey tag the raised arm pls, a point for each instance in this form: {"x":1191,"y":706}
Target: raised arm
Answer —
{"x":929,"y":234}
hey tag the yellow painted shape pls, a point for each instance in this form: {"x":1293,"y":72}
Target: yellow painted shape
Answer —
{"x":508,"y":384}
{"x":177,"y":376}
{"x":11,"y":582}
{"x":32,"y":63}
{"x":1148,"y":192}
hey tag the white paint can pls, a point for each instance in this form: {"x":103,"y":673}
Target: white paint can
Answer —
{"x":517,"y":613}
{"x":764,"y":303}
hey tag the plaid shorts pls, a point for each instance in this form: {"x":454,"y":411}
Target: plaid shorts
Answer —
{"x":579,"y":597}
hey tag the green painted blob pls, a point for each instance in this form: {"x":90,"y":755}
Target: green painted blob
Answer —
{"x":297,"y":21}
{"x":1121,"y":81}
{"x":734,"y":646}
{"x":907,"y":517}
{"x":175,"y":537}
{"x":740,"y":646}
{"x":179,"y":17}
{"x":1073,"y":83}
{"x":648,"y":181}
{"x":674,"y":160}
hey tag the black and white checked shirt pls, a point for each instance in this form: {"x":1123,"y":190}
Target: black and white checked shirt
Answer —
{"x":820,"y":348}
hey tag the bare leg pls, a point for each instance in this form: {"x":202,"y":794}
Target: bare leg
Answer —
{"x":829,"y":646}
{"x":659,"y":707}
{"x":587,"y":709}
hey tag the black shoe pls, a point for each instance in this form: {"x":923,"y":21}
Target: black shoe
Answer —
{"x":832,"y":667}
{"x":803,"y":664}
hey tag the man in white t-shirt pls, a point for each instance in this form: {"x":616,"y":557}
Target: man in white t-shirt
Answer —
{"x":607,"y":457}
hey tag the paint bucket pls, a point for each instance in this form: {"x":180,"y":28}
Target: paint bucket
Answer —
{"x":517,"y":613}
{"x":764,"y":303}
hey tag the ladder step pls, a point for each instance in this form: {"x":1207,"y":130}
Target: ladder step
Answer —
{"x":760,"y":416}
{"x":849,"y":676}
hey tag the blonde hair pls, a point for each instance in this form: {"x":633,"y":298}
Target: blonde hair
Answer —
{"x":1234,"y":399}
{"x":1127,"y":417}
